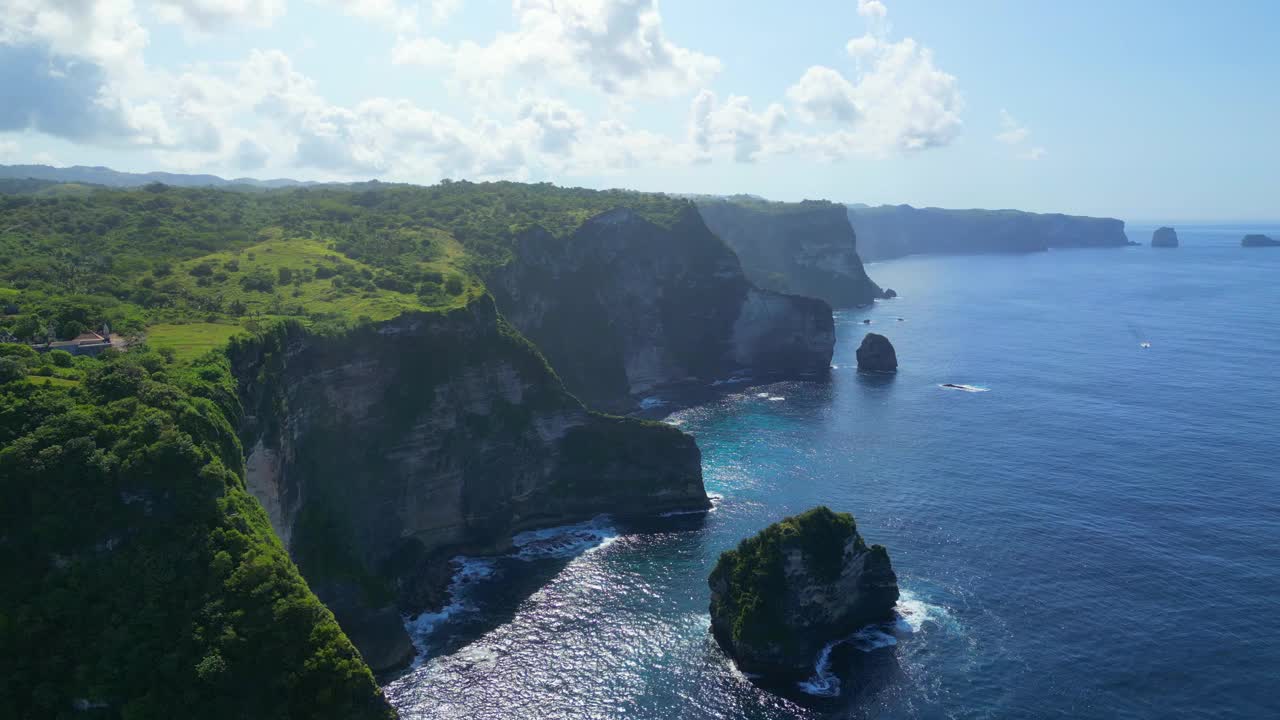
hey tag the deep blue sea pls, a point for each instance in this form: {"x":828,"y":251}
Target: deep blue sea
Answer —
{"x":1096,"y":535}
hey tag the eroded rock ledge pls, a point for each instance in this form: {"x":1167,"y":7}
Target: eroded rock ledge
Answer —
{"x":800,"y":583}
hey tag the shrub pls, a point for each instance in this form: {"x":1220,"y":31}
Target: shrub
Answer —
{"x":11,"y":369}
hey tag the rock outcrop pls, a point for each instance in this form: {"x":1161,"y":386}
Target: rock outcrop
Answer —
{"x":893,"y":231}
{"x":800,"y":583}
{"x":876,"y":354}
{"x":1165,"y":237}
{"x":806,"y":248}
{"x":380,"y":453}
{"x":1256,"y":240}
{"x":623,"y":307}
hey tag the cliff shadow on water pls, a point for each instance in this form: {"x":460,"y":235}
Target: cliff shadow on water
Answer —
{"x":382,"y":451}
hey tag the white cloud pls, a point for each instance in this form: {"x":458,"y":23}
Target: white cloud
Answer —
{"x":208,"y":16}
{"x":872,"y":8}
{"x":1011,"y":133}
{"x":556,"y":124}
{"x":824,"y":95}
{"x":82,"y":76}
{"x":733,"y":125}
{"x":899,"y":100}
{"x":1016,"y":134}
{"x":8,"y":149}
{"x":103,"y":31}
{"x":862,"y":46}
{"x":618,"y":47}
{"x":399,"y":16}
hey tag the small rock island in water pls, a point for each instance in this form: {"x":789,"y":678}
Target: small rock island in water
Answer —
{"x":797,"y":585}
{"x":1165,"y":237}
{"x":876,"y":354}
{"x":1256,"y":240}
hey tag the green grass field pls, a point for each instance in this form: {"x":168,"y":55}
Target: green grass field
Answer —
{"x":191,"y":340}
{"x":305,"y":293}
{"x":55,"y":381}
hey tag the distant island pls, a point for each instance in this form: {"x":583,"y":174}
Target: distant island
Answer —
{"x":893,"y":231}
{"x":1258,"y":240}
{"x":1165,"y":237}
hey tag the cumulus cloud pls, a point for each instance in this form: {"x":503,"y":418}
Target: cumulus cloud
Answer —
{"x":862,"y":46}
{"x":400,"y":16}
{"x":75,"y":69}
{"x":898,"y":100}
{"x":733,"y":125}
{"x":1016,"y":134}
{"x":208,"y":16}
{"x":872,"y":9}
{"x":556,"y":125}
{"x":618,"y":47}
{"x":823,"y":94}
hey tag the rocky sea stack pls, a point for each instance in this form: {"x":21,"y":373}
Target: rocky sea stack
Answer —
{"x":1165,"y":237}
{"x":876,"y":354}
{"x":799,"y":584}
{"x":1256,"y":240}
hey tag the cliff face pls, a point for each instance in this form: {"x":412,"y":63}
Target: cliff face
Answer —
{"x":623,"y":307}
{"x":380,"y":453}
{"x":892,"y":231}
{"x":799,"y":584}
{"x":804,"y":248}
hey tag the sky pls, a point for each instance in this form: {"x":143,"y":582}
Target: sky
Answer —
{"x":1157,"y":111}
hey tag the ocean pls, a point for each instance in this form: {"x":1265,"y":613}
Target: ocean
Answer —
{"x":1090,"y":532}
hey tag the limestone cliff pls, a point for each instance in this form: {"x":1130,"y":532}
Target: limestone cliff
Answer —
{"x":892,"y":231}
{"x":623,"y":307}
{"x":805,"y":248}
{"x":383,"y":451}
{"x":799,"y":584}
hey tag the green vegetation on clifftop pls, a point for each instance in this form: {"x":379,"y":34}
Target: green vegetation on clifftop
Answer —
{"x":141,"y":579}
{"x":755,"y":571}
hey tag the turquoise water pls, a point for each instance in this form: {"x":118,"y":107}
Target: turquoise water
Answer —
{"x":1095,"y":536}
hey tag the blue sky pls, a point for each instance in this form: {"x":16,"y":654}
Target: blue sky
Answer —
{"x":1158,"y":111}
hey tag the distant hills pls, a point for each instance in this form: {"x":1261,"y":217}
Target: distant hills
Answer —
{"x":892,"y":231}
{"x":884,"y":232}
{"x":114,"y":178}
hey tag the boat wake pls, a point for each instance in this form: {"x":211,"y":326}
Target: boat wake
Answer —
{"x":964,"y":388}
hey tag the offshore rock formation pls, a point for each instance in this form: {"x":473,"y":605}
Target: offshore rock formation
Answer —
{"x":893,"y":231}
{"x":623,"y":307}
{"x":876,"y":354}
{"x":383,"y":452}
{"x":1256,"y":240}
{"x":800,"y":583}
{"x":1165,"y":237}
{"x":806,"y":248}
